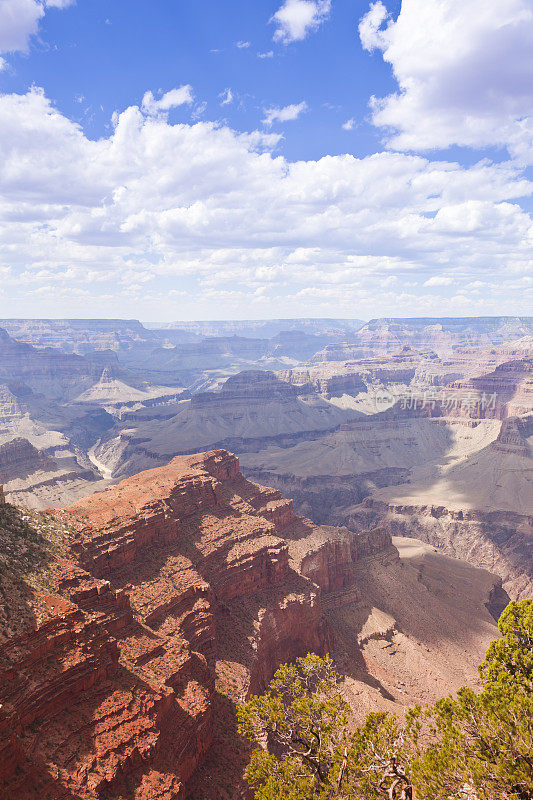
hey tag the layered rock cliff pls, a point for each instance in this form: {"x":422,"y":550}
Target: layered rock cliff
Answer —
{"x":478,"y":506}
{"x":124,"y":608}
{"x":510,"y":386}
{"x":252,"y":409}
{"x":19,"y":458}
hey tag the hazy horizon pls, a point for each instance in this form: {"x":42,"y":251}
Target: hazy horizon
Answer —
{"x":156,"y":323}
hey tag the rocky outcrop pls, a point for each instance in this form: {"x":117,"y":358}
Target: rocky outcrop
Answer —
{"x":328,"y":555}
{"x":12,"y":408}
{"x":19,"y":458}
{"x":513,"y":436}
{"x":509,"y":386}
{"x":144,"y":592}
{"x":328,"y":380}
{"x":500,"y":541}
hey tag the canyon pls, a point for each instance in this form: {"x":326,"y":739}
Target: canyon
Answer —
{"x":390,"y":414}
{"x":136,"y":618}
{"x":148,"y":588}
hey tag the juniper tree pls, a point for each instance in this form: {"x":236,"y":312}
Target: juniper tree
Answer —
{"x":484,"y":742}
{"x":300,"y":723}
{"x":476,"y":745}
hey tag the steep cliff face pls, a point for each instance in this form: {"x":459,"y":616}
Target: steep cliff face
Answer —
{"x":19,"y":458}
{"x":328,"y":555}
{"x":329,"y":380}
{"x":501,"y":541}
{"x":513,"y":436}
{"x":12,"y":408}
{"x":95,"y":703}
{"x":510,"y":384}
{"x":125,"y":607}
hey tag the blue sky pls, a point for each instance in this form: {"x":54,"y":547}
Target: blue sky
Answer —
{"x":259,"y":178}
{"x":95,"y":57}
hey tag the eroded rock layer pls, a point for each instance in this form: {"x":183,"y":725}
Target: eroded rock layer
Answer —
{"x":501,"y":541}
{"x":122,"y":609}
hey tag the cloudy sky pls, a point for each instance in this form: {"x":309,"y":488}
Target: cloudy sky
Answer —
{"x":178,"y":160}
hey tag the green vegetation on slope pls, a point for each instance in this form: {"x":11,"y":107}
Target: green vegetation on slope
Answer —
{"x":30,"y":543}
{"x":476,"y":745}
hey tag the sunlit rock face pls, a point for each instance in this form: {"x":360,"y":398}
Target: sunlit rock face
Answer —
{"x":141,"y":595}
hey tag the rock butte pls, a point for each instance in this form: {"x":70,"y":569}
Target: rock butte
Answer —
{"x":176,"y":593}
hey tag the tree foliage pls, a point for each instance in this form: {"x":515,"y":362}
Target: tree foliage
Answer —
{"x":379,"y":757}
{"x":300,"y":721}
{"x":475,"y":745}
{"x":485,"y":741}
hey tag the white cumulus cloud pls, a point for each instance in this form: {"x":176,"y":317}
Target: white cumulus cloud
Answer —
{"x":295,"y":19}
{"x":19,"y":21}
{"x":284,"y":114}
{"x":159,"y":216}
{"x":439,"y":280}
{"x":464,"y":70}
{"x":172,"y":99}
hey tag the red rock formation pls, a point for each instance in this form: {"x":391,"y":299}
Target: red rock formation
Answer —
{"x":328,"y":554}
{"x":108,"y":682}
